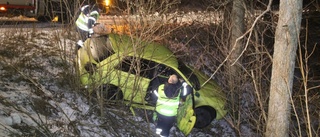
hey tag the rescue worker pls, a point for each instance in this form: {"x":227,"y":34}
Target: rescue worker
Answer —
{"x":168,"y":100}
{"x":86,"y":21}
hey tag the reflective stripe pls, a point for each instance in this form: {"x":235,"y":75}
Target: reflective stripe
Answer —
{"x":84,"y":7}
{"x":158,"y":131}
{"x":184,"y":89}
{"x":168,"y":103}
{"x":156,"y":93}
{"x":94,"y":13}
{"x":167,"y":112}
{"x":92,"y":18}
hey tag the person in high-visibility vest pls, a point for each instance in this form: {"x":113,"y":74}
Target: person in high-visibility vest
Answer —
{"x":168,"y":100}
{"x":86,"y":21}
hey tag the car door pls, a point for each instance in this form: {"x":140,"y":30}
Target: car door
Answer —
{"x":186,"y":117}
{"x":132,"y":78}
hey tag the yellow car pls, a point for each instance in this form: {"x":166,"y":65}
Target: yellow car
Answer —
{"x":128,"y":68}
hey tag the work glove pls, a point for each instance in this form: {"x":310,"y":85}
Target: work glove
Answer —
{"x":155,"y":117}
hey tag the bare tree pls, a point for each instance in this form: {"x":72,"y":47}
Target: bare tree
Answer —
{"x":286,"y":40}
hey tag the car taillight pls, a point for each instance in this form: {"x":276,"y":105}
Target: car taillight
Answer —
{"x":3,"y":9}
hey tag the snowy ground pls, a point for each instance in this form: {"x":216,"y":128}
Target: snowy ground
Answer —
{"x":37,"y":98}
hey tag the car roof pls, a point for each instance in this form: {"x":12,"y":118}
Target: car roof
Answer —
{"x":130,"y":46}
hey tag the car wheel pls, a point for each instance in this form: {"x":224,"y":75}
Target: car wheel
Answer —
{"x":204,"y":115}
{"x":112,"y":92}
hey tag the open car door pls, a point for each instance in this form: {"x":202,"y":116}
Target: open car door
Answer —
{"x":186,"y":117}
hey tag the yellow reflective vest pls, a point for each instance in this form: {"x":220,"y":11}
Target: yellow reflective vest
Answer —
{"x":167,"y":106}
{"x":83,"y":20}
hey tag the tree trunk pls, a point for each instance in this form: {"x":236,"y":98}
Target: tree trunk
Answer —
{"x":236,"y":47}
{"x":286,"y":40}
{"x":237,"y":30}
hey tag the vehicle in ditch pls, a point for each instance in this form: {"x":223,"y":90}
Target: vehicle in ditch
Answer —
{"x":128,"y":68}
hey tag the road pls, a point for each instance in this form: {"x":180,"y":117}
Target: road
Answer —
{"x":25,"y":22}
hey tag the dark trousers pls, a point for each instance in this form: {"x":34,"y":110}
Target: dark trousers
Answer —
{"x":84,"y":35}
{"x":165,"y":123}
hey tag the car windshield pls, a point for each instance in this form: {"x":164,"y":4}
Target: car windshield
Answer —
{"x":190,"y":75}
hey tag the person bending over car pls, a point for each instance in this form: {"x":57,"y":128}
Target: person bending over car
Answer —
{"x":168,"y":100}
{"x":86,"y":21}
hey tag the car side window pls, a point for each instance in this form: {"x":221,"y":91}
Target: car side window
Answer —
{"x":163,"y":70}
{"x":125,"y":65}
{"x":134,"y":65}
{"x":147,"y":68}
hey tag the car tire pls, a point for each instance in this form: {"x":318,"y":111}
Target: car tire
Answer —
{"x":204,"y":116}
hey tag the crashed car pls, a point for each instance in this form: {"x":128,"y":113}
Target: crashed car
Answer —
{"x":128,"y":68}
